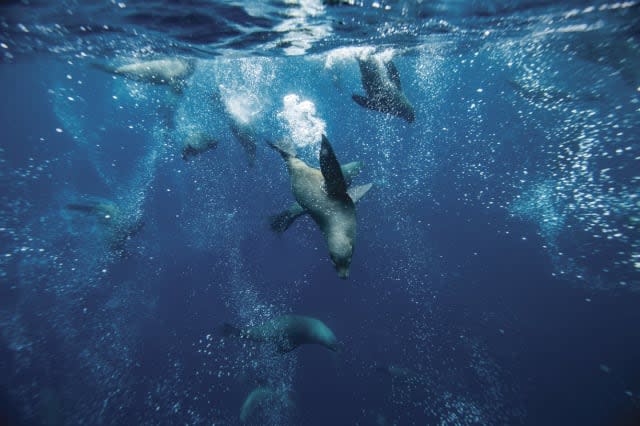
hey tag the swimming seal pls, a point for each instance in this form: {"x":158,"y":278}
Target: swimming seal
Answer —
{"x":246,"y":136}
{"x":323,"y":193}
{"x":381,"y":82}
{"x":287,"y":332}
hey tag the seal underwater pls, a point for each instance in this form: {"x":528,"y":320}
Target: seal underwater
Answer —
{"x":381,"y":82}
{"x":323,"y":193}
{"x":118,"y":229}
{"x":260,"y":398}
{"x":287,"y":332}
{"x":172,"y":72}
{"x":246,"y":136}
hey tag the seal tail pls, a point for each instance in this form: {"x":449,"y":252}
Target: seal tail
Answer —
{"x":229,"y":330}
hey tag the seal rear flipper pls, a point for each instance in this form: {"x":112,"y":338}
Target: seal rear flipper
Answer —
{"x":334,"y":182}
{"x":357,"y":192}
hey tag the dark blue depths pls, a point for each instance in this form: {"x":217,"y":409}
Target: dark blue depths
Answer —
{"x":446,"y":280}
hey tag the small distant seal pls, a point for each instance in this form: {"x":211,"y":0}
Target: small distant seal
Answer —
{"x":172,"y":72}
{"x":282,"y":221}
{"x":287,"y":332}
{"x":397,"y":371}
{"x":242,"y":130}
{"x":245,"y":134}
{"x":260,"y":397}
{"x":197,"y":143}
{"x":381,"y":82}
{"x":118,"y":229}
{"x":323,"y":193}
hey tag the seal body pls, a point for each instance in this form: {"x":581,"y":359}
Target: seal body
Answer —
{"x":336,"y":217}
{"x":381,"y":83}
{"x":283,"y":220}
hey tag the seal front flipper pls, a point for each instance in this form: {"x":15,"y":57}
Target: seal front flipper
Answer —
{"x":334,"y":182}
{"x":364,"y":102}
{"x":393,"y":74}
{"x":285,"y":151}
{"x":282,"y":221}
{"x":357,"y":192}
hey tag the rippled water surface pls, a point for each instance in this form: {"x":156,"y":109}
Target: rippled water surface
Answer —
{"x":495,"y":276}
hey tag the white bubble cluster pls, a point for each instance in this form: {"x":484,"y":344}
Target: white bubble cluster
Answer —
{"x":302,"y":122}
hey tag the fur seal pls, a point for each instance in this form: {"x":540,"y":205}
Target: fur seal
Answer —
{"x":259,"y":398}
{"x":282,"y":221}
{"x":381,"y":82}
{"x":118,"y":230}
{"x":245,"y":134}
{"x":323,"y":193}
{"x":172,"y":72}
{"x":287,"y":332}
{"x":197,"y":143}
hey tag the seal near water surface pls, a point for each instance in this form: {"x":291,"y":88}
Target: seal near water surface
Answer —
{"x":172,"y":72}
{"x":381,"y":82}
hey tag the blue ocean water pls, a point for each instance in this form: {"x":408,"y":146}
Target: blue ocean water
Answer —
{"x":495,"y":277}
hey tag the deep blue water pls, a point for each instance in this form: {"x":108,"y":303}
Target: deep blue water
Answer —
{"x":497,"y":258}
